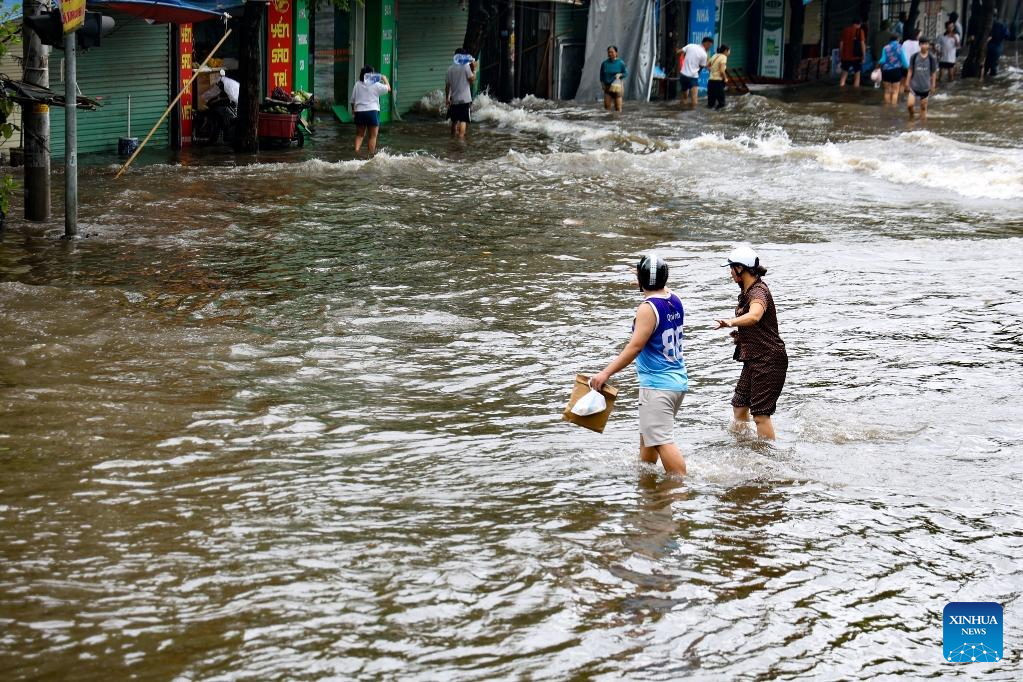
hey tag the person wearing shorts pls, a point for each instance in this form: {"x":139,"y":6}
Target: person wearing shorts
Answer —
{"x":758,"y":345}
{"x":656,"y":346}
{"x":851,"y":48}
{"x":923,"y":78}
{"x":893,"y":69}
{"x":365,"y":102}
{"x":458,"y":94}
{"x":691,"y":59}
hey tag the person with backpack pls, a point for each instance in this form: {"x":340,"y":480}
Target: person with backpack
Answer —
{"x":656,"y":346}
{"x":922,"y":79}
{"x":851,"y":49}
{"x":893,"y":69}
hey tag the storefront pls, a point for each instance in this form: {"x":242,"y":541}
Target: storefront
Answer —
{"x":428,"y":34}
{"x":130,"y":70}
{"x":738,"y":22}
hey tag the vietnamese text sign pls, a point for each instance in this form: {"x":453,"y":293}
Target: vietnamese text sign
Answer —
{"x":72,"y":13}
{"x":702,"y":20}
{"x":772,"y":37}
{"x":278,"y":45}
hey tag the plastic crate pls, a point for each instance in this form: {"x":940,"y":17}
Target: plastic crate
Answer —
{"x":277,"y":125}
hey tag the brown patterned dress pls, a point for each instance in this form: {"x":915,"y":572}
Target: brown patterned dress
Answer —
{"x":762,"y":353}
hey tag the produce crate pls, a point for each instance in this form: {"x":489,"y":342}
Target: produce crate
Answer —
{"x":277,"y":125}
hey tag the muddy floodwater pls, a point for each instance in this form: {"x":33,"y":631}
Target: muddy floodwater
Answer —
{"x":298,"y":418}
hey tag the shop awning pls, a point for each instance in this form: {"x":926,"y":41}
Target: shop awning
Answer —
{"x":166,"y":11}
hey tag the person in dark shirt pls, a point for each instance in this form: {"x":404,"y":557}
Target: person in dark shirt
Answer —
{"x":758,"y":345}
{"x":999,"y":32}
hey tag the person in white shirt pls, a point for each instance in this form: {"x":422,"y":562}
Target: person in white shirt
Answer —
{"x":948,"y":44}
{"x":691,"y":59}
{"x":366,"y":106}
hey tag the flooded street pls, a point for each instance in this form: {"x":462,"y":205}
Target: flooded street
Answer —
{"x":301,"y":418}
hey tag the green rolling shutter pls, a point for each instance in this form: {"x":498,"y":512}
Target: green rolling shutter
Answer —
{"x":134,"y":59}
{"x":736,"y":22}
{"x":428,"y":33}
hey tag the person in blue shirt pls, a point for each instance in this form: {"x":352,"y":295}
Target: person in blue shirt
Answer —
{"x":656,"y":346}
{"x":893,"y":64}
{"x":612,"y":72}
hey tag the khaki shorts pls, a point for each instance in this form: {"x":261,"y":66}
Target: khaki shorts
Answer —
{"x":657,"y":410}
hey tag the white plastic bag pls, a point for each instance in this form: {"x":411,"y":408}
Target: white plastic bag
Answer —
{"x":591,"y":403}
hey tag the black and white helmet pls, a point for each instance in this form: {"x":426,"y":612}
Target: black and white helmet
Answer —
{"x":652,"y":272}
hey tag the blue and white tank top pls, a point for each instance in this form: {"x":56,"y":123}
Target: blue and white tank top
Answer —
{"x":660,"y":364}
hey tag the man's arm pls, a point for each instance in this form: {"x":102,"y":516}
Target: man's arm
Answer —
{"x":645,"y":323}
{"x":472,"y":72}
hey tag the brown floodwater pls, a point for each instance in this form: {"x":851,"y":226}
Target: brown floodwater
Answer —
{"x":299,"y":418}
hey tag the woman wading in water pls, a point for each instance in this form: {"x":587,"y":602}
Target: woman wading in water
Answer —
{"x":758,"y":345}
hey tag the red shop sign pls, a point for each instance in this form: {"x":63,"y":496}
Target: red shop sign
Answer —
{"x":185,"y":50}
{"x":279,"y":45}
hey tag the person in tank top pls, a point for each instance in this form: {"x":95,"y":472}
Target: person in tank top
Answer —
{"x":656,"y":347}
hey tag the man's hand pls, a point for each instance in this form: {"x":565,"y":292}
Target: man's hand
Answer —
{"x":721,"y":324}
{"x":598,"y":380}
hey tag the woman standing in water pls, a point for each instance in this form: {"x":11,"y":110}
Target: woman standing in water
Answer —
{"x":656,"y":346}
{"x":366,"y":106}
{"x":612,"y":72}
{"x":758,"y":345}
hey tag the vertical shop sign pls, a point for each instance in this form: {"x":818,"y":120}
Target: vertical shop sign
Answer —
{"x":702,"y":23}
{"x":302,"y":45}
{"x":185,"y":74}
{"x":772,"y":28}
{"x":279,"y":45}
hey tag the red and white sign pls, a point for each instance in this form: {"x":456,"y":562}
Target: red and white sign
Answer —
{"x":279,"y":23}
{"x":185,"y":73}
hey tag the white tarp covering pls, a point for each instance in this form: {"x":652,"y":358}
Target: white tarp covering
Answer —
{"x":629,"y":24}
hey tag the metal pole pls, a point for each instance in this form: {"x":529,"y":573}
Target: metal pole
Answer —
{"x":36,"y":120}
{"x":70,"y":137}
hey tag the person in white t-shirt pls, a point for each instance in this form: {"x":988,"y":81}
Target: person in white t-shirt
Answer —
{"x":691,"y":59}
{"x":366,"y":105}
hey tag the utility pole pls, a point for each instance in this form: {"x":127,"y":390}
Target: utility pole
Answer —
{"x":70,"y":136}
{"x":508,"y":56}
{"x":36,"y":119}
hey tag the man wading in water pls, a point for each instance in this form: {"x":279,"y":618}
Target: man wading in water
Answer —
{"x":758,"y":344}
{"x":656,"y":346}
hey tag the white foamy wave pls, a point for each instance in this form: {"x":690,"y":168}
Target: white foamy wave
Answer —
{"x":531,"y":121}
{"x":919,"y":159}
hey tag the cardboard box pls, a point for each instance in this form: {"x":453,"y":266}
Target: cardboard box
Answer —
{"x":593,"y":422}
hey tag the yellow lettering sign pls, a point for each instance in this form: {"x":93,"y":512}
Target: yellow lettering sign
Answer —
{"x":281,"y":79}
{"x":280,"y":55}
{"x":186,"y":61}
{"x":186,"y":112}
{"x":280,"y":30}
{"x":186,"y":34}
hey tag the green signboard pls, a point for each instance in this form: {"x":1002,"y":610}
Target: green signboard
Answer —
{"x":301,"y":49}
{"x":380,"y":45}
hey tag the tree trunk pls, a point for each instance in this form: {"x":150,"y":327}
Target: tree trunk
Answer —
{"x":482,"y":13}
{"x":973,"y":67}
{"x":797,"y":20}
{"x":909,"y":30}
{"x":247,"y":130}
